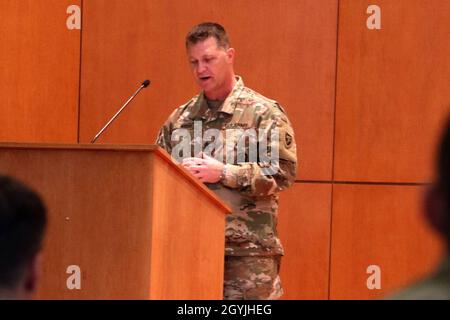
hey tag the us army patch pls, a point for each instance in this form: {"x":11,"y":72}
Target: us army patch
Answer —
{"x":237,"y":126}
{"x":288,"y":140}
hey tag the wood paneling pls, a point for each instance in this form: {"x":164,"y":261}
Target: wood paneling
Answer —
{"x":89,"y":226}
{"x":382,"y":226}
{"x":39,"y":72}
{"x":292,"y":61}
{"x":392,"y":89}
{"x":111,"y":211}
{"x":304,"y":227}
{"x":183,"y":205}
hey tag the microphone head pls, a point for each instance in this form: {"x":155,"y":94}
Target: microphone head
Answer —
{"x":146,"y":83}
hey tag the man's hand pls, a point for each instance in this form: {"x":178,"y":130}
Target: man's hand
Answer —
{"x":204,"y":168}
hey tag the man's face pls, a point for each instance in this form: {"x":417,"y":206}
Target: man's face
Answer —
{"x":211,"y":65}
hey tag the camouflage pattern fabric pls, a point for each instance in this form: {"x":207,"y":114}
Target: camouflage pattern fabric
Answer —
{"x":252,"y":278}
{"x":251,"y":229}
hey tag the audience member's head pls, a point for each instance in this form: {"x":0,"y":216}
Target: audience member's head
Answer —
{"x":436,"y":286}
{"x":22,"y":225}
{"x":438,"y":198}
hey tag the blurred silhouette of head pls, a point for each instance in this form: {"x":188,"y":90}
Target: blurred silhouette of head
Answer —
{"x":22,"y":226}
{"x":438,"y":196}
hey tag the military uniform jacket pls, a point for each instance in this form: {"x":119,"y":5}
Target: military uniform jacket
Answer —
{"x":248,"y":187}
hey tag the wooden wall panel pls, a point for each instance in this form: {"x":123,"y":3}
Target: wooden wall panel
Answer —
{"x":304,"y":227}
{"x":382,"y":226}
{"x":292,"y":61}
{"x":392,"y":89}
{"x":39,"y":72}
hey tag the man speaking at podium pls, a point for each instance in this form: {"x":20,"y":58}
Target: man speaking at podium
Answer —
{"x":240,"y":120}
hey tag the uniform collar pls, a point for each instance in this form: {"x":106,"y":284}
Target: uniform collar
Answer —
{"x":228,"y":105}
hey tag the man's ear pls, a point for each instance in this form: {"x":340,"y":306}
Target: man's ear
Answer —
{"x":230,"y":54}
{"x":436,"y":210}
{"x":33,"y":274}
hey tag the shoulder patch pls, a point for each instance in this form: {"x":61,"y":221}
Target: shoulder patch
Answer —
{"x":288,"y":140}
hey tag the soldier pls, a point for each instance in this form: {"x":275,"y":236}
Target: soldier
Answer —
{"x":437,"y":213}
{"x":233,"y":164}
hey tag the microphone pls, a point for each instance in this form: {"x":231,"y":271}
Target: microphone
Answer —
{"x":144,"y":84}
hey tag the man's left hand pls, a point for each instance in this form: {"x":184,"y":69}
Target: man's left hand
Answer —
{"x":204,"y":168}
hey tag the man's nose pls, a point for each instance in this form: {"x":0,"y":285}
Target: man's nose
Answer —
{"x":201,"y":68}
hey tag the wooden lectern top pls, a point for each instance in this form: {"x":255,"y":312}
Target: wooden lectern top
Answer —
{"x":114,"y":147}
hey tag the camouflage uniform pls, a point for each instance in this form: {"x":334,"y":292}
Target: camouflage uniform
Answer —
{"x":245,"y":187}
{"x":252,"y":278}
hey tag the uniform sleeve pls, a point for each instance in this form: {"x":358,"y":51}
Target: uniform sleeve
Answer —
{"x":164,"y":138}
{"x":255,"y":178}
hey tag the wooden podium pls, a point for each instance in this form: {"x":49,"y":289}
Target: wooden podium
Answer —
{"x":137,"y":225}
